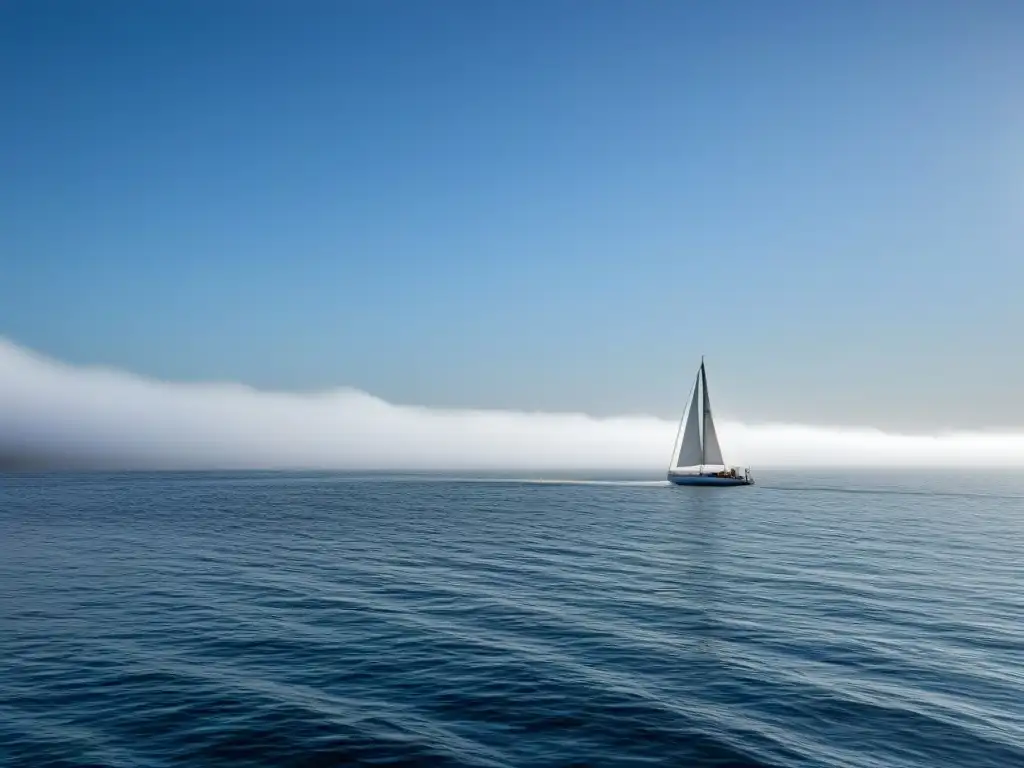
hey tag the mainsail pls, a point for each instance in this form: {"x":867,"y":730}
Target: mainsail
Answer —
{"x":712,"y":450}
{"x":690,"y":451}
{"x":699,"y":445}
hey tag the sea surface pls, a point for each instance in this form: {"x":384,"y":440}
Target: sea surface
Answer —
{"x":860,"y":619}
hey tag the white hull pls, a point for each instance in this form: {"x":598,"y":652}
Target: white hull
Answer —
{"x":709,"y":480}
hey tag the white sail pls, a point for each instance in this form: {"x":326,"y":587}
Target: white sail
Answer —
{"x":712,"y":450}
{"x":697,"y":454}
{"x":690,"y":450}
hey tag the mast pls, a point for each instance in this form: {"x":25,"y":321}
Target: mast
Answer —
{"x":703,"y":416}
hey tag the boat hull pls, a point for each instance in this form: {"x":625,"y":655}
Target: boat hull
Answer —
{"x":708,"y":480}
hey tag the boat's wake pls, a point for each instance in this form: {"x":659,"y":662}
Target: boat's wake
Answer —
{"x":630,"y":483}
{"x":549,"y":481}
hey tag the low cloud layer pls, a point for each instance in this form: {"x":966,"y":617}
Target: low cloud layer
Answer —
{"x":53,"y":414}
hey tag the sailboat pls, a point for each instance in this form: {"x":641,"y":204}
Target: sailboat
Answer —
{"x":697,"y":456}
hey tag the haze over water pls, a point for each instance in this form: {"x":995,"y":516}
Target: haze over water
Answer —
{"x":865,"y":620}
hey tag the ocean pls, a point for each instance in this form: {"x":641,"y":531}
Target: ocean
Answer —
{"x":857,"y":619}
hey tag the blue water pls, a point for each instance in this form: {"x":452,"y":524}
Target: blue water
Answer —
{"x":326,"y":620}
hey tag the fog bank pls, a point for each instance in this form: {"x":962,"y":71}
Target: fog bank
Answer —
{"x":52,"y":414}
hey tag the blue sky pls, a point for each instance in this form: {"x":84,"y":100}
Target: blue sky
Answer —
{"x":539,"y":205}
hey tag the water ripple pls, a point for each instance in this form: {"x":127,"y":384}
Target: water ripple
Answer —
{"x":322,"y":620}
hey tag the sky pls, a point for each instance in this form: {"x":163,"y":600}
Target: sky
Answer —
{"x":551,"y":207}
